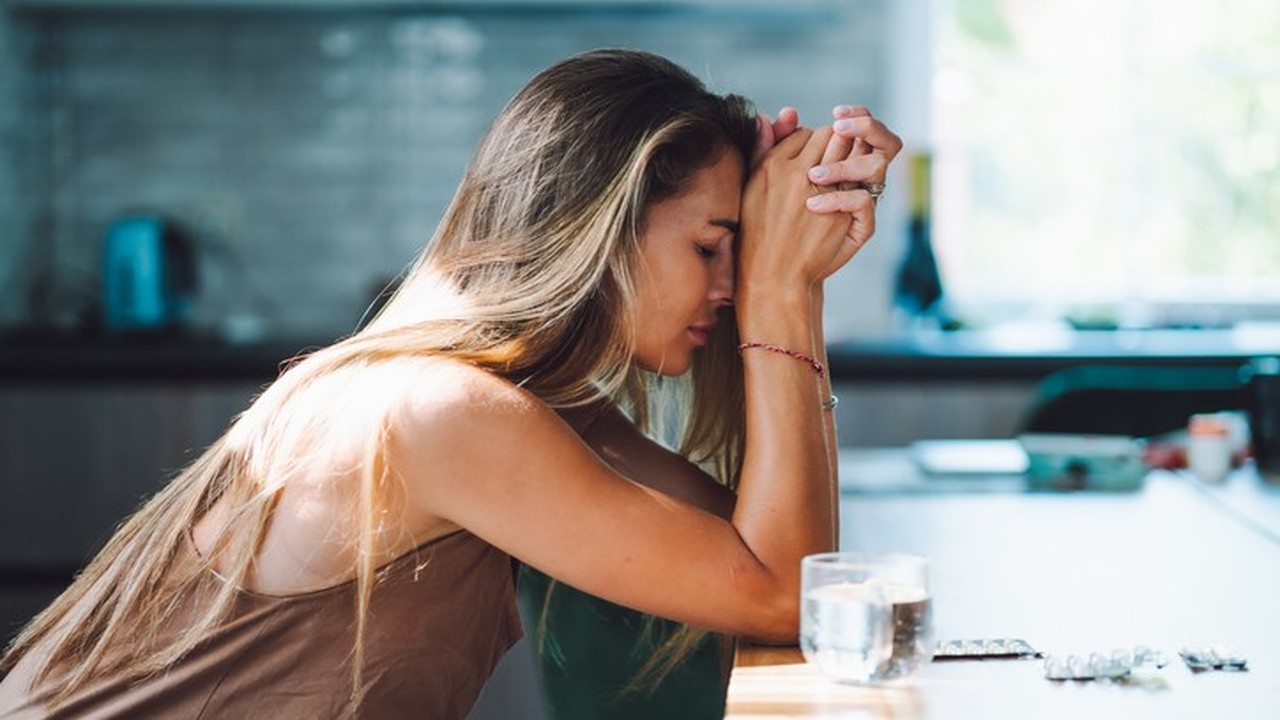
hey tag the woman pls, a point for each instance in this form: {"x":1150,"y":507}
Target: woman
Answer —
{"x":345,"y":549}
{"x":599,"y":659}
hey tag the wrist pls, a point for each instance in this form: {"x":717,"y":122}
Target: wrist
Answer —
{"x":784,"y":318}
{"x":813,"y":362}
{"x":816,"y":297}
{"x":792,"y":299}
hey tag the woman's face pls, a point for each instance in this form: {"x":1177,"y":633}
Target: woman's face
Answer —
{"x":686,"y":267}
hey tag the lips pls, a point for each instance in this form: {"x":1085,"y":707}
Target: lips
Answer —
{"x":701,"y":333}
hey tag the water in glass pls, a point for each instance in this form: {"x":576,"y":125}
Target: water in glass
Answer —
{"x":912,"y":631}
{"x":845,"y":629}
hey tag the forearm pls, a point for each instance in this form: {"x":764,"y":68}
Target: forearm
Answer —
{"x":785,"y":505}
{"x":829,"y":433}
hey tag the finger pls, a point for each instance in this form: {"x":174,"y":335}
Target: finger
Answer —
{"x":788,"y":121}
{"x":862,"y":227}
{"x":794,"y":144}
{"x":849,"y":111}
{"x":815,"y":145}
{"x":864,"y":224}
{"x":853,"y":241}
{"x":855,"y":202}
{"x":765,"y":137}
{"x":872,"y":132}
{"x":858,"y":233}
{"x":840,"y":146}
{"x":854,"y":170}
{"x":852,"y":111}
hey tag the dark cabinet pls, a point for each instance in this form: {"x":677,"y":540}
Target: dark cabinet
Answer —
{"x":76,"y":459}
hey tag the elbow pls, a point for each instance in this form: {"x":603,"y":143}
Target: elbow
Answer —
{"x":776,"y":616}
{"x":783,"y":627}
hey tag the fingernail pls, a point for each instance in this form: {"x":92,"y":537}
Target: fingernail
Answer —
{"x":817,"y":172}
{"x":843,"y":109}
{"x":814,"y":202}
{"x":845,"y":124}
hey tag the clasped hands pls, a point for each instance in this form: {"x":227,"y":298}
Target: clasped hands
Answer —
{"x":844,"y":167}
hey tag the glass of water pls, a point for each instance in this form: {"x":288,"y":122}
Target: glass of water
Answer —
{"x":864,"y":616}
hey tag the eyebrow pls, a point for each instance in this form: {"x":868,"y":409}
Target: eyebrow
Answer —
{"x":730,"y":225}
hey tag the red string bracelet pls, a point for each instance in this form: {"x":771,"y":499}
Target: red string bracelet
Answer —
{"x":817,"y":366}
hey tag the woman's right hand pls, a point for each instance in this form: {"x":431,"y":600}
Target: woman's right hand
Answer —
{"x":856,"y":160}
{"x":785,"y":247}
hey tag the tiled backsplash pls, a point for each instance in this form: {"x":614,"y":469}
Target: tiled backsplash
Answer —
{"x":314,"y":152}
{"x":16,"y":199}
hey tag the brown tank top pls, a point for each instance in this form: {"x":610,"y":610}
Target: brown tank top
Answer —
{"x":440,"y":618}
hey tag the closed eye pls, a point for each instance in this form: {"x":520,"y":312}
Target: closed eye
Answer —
{"x":706,"y":251}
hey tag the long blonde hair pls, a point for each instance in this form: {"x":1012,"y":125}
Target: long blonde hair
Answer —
{"x":529,"y":276}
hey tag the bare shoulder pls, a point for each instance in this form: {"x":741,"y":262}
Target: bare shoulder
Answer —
{"x":460,"y":422}
{"x":445,"y":394}
{"x":462,"y":436}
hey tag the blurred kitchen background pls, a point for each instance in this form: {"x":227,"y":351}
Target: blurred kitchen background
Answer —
{"x":1085,"y":183}
{"x":311,"y":147}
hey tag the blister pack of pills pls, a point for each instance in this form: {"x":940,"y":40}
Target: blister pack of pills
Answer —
{"x":1212,"y":657}
{"x":995,"y":649}
{"x":1098,"y":666}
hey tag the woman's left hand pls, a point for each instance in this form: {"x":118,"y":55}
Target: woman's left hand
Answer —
{"x":854,"y":167}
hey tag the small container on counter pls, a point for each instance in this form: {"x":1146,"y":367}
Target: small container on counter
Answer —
{"x":1209,"y":448}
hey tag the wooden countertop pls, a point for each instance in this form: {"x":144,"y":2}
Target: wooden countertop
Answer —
{"x":1173,"y":565}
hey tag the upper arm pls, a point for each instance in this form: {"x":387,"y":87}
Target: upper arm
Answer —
{"x":618,"y":442}
{"x":500,"y":463}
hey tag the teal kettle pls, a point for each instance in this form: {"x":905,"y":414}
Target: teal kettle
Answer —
{"x":148,"y":274}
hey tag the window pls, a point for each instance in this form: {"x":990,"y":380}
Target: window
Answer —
{"x":1112,"y":161}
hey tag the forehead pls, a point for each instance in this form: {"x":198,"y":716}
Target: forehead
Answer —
{"x":714,"y":193}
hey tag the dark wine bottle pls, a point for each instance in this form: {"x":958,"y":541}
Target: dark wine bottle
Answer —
{"x":918,"y":285}
{"x":1262,"y":382}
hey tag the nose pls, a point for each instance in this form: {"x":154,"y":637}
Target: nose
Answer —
{"x":722,"y":272}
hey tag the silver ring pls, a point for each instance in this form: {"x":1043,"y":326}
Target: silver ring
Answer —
{"x":876,"y":189}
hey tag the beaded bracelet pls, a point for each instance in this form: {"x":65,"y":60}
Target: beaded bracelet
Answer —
{"x":817,"y":366}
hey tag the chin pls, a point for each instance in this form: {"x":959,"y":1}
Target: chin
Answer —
{"x":666,"y":367}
